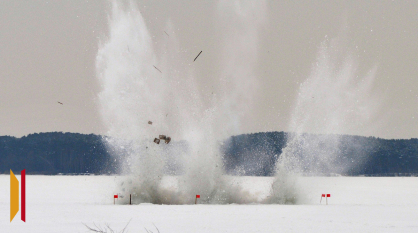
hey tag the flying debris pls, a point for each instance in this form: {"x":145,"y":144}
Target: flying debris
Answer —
{"x":166,"y":33}
{"x":197,"y":56}
{"x":150,"y":122}
{"x":167,"y":140}
{"x":60,"y":103}
{"x":157,"y":69}
{"x":162,"y":137}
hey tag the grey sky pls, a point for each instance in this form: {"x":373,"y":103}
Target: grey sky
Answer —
{"x":48,"y":50}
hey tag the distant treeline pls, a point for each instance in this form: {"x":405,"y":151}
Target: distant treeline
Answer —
{"x":256,"y":154}
{"x":248,"y":154}
{"x":55,"y":152}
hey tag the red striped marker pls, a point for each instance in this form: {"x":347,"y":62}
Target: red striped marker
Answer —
{"x":114,"y":198}
{"x":328,"y":195}
{"x":326,"y":198}
{"x":23,"y":195}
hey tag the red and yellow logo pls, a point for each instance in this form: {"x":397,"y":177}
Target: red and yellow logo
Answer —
{"x":14,"y":195}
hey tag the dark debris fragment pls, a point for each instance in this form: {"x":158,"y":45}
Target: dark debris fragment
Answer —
{"x":197,"y":56}
{"x":158,"y":69}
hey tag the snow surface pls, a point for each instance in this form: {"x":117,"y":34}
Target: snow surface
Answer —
{"x":357,"y":204}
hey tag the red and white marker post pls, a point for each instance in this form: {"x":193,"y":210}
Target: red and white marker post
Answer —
{"x":195,"y":201}
{"x":114,"y":198}
{"x":326,"y":198}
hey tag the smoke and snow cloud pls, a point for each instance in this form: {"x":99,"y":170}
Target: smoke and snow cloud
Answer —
{"x":141,"y":83}
{"x":239,"y":59}
{"x":335,"y":99}
{"x":134,"y":92}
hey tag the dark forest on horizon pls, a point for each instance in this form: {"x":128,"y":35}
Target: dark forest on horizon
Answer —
{"x":247,"y":154}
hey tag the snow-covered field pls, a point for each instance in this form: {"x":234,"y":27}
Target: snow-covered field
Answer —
{"x":357,"y":204}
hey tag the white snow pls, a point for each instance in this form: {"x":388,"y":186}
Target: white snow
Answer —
{"x":357,"y":204}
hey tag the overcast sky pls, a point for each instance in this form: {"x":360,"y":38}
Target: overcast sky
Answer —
{"x":48,"y":52}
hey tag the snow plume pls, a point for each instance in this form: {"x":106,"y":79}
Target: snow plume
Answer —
{"x":130,"y":90}
{"x":334,"y":100}
{"x":239,"y":58}
{"x":238,"y":81}
{"x":139,"y":86}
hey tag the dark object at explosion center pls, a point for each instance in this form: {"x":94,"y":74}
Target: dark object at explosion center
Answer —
{"x":167,"y":140}
{"x":162,"y":137}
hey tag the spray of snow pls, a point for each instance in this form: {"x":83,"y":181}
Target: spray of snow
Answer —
{"x":138,"y":85}
{"x":334,"y":100}
{"x":135,"y":92}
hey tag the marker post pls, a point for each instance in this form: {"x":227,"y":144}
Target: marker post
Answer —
{"x":326,"y":198}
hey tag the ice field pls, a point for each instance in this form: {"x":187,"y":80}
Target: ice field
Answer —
{"x":357,"y":204}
